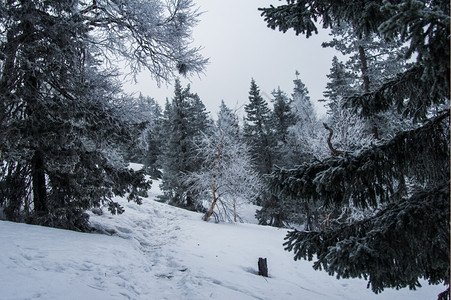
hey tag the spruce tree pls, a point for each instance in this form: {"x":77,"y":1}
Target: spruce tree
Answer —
{"x":259,"y":131}
{"x":406,"y":176}
{"x":340,"y":84}
{"x":370,"y":61}
{"x":184,"y":121}
{"x":303,"y":137}
{"x":147,"y":114}
{"x":282,"y":115}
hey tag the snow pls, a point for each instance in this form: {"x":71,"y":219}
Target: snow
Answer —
{"x":161,"y":252}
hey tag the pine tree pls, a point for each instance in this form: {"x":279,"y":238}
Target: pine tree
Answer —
{"x":184,"y":121}
{"x":408,"y":238}
{"x":303,"y":143}
{"x":340,"y":85}
{"x":258,"y":130}
{"x":304,"y":140}
{"x":350,"y":131}
{"x":62,"y":133}
{"x":282,"y":115}
{"x":298,"y":146}
{"x":228,"y":121}
{"x":147,"y":114}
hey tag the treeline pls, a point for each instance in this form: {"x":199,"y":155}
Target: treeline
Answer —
{"x":201,"y":161}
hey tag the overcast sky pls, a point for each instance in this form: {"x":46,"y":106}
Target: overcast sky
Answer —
{"x":240,"y":47}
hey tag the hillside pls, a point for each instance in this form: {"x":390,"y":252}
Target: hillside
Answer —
{"x":161,"y":252}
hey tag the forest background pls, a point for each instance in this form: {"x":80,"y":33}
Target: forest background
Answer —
{"x":363,"y":189}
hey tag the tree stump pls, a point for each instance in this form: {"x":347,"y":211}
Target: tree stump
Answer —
{"x":262,"y":267}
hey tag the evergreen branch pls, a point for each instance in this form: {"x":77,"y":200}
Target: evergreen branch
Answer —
{"x":410,"y":92}
{"x":375,"y":175}
{"x":301,"y":16}
{"x":405,"y":241}
{"x":424,"y":26}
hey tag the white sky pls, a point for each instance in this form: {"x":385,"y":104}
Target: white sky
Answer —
{"x":240,"y":47}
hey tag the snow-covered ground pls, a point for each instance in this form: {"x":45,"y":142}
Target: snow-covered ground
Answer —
{"x":161,"y":252}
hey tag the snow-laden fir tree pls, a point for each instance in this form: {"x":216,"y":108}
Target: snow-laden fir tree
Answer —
{"x":259,"y":130}
{"x":282,"y":115}
{"x":147,"y":114}
{"x":283,"y":118}
{"x":370,"y":59}
{"x":304,"y":139}
{"x":409,"y":237}
{"x":340,"y":84}
{"x":351,"y":131}
{"x":184,"y":122}
{"x":62,"y":133}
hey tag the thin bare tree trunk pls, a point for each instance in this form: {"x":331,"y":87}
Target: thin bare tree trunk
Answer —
{"x":234,"y":211}
{"x":213,"y":185}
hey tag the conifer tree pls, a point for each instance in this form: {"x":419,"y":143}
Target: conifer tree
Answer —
{"x":283,"y":117}
{"x":258,"y":130}
{"x":304,"y":135}
{"x":408,"y":238}
{"x":184,"y":121}
{"x":147,"y":114}
{"x":340,"y":84}
{"x":371,"y":60}
{"x":299,"y":145}
{"x":304,"y":142}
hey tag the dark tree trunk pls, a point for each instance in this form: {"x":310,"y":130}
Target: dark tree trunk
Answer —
{"x":366,"y":83}
{"x":308,"y":222}
{"x":364,"y":68}
{"x":14,"y":192}
{"x":333,"y":151}
{"x":39,"y":186}
{"x":375,"y":132}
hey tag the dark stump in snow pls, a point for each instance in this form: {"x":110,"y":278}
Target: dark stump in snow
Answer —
{"x":262,"y":267}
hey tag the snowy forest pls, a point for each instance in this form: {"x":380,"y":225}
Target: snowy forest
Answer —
{"x":363,"y":191}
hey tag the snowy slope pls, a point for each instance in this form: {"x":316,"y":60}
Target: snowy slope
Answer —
{"x":161,"y":252}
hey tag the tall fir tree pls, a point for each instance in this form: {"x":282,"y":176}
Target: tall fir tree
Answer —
{"x":304,"y":139}
{"x":185,"y":119}
{"x":340,"y":85}
{"x":259,"y":130}
{"x":147,"y":146}
{"x":282,"y":115}
{"x":408,"y":238}
{"x":370,"y":59}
